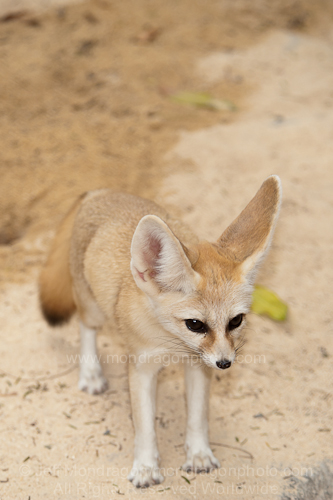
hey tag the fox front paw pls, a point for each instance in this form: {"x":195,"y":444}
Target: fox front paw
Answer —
{"x":92,"y":380}
{"x":142,"y":476}
{"x":200,"y":461}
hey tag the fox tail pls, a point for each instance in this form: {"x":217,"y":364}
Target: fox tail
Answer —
{"x":55,"y":282}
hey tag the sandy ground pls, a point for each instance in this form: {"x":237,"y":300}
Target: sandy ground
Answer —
{"x":85,"y":103}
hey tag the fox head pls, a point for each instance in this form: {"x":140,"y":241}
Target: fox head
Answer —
{"x":202,"y":294}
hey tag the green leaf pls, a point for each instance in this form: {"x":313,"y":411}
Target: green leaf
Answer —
{"x":189,"y":482}
{"x":267,"y":303}
{"x":203,"y":100}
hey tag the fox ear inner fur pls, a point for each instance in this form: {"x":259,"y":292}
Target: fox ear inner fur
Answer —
{"x":249,"y":236}
{"x":159,"y":261}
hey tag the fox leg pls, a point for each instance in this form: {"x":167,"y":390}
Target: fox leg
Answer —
{"x":200,"y":457}
{"x":143,"y":381}
{"x":91,"y":376}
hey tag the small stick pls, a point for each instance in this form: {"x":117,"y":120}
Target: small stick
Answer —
{"x":234,"y":448}
{"x":61,"y":374}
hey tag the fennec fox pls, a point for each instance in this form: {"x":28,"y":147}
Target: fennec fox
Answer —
{"x":121,"y":257}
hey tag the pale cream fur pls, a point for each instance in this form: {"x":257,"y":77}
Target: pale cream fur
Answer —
{"x":130,"y":262}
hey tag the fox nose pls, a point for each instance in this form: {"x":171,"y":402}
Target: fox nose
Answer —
{"x":223,"y":364}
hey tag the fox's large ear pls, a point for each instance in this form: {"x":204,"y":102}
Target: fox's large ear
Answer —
{"x":159,"y":262}
{"x":248,"y":238}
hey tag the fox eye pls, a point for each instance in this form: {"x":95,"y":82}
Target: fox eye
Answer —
{"x":196,"y":326}
{"x":235,"y":322}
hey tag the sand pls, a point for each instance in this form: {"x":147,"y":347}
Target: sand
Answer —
{"x":86,"y":103}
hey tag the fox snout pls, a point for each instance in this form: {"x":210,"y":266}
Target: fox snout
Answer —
{"x":220,"y":356}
